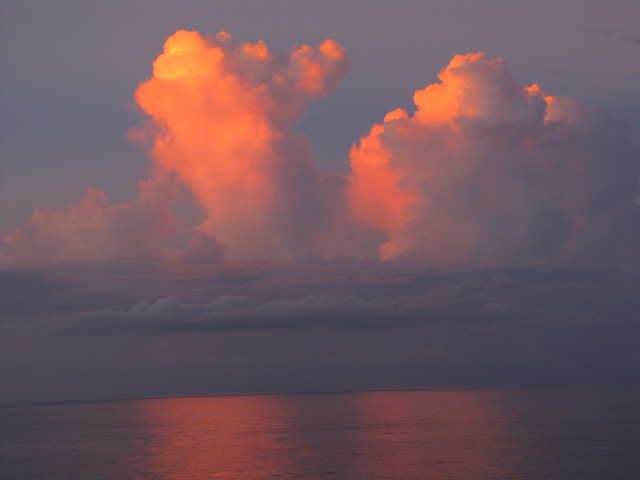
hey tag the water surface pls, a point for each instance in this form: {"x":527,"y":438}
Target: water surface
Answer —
{"x":532,"y":433}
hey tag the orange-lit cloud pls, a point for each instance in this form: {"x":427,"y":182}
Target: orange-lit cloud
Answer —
{"x":221,"y":117}
{"x":93,"y":229}
{"x":487,"y":171}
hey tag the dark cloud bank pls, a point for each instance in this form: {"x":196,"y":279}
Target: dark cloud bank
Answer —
{"x":337,"y":325}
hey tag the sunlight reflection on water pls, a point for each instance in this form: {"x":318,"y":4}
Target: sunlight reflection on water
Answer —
{"x":435,"y":434}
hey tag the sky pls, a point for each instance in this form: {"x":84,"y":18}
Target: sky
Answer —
{"x":225,"y":197}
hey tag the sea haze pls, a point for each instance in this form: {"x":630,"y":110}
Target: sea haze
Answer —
{"x":509,"y":433}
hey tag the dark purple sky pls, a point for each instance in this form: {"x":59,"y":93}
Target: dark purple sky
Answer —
{"x":513,"y":259}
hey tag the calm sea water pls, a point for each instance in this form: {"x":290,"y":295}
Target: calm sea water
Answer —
{"x":537,"y":433}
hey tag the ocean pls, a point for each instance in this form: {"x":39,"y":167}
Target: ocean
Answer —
{"x":462,"y":433}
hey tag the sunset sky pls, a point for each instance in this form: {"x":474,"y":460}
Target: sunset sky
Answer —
{"x":212,"y":197}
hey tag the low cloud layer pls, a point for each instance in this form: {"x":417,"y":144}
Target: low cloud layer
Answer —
{"x":498,"y":301}
{"x":138,"y":298}
{"x":139,"y":328}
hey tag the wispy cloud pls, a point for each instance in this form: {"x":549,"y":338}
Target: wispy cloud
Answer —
{"x":618,"y":34}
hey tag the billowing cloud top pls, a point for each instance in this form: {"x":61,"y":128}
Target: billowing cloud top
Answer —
{"x":486,"y":172}
{"x":221,"y":117}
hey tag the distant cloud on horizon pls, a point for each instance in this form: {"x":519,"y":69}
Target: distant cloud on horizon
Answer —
{"x":503,"y":299}
{"x":323,"y":325}
{"x":618,"y":34}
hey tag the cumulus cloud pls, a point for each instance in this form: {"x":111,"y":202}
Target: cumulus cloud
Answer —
{"x":489,"y":172}
{"x":92,"y":229}
{"x":485,"y":173}
{"x":219,"y":118}
{"x":204,"y":248}
{"x":220,"y":115}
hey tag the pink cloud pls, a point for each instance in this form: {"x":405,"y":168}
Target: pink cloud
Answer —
{"x":221,"y":117}
{"x":485,"y":172}
{"x":489,"y":172}
{"x":93,"y":229}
